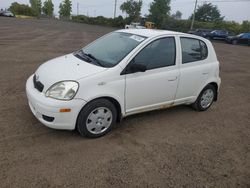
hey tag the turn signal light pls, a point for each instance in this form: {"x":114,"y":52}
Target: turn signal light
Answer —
{"x":65,"y":110}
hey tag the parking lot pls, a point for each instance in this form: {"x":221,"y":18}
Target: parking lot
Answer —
{"x":176,"y":147}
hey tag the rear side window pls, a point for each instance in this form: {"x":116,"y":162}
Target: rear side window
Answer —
{"x":193,"y":50}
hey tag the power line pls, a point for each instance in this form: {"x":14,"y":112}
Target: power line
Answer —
{"x":174,"y":4}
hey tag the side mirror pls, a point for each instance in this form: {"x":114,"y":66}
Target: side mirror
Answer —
{"x":133,"y":68}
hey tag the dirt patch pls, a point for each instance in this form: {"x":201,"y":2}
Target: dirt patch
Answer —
{"x":177,"y":147}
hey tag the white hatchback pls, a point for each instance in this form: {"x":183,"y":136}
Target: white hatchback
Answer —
{"x":122,"y":73}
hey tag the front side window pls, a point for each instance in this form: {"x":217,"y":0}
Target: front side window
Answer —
{"x":193,"y":50}
{"x":159,"y":53}
{"x":109,"y":50}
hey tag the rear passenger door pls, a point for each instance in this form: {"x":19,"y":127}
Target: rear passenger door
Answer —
{"x":194,"y":68}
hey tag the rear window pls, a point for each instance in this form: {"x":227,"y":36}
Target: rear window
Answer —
{"x":193,"y":50}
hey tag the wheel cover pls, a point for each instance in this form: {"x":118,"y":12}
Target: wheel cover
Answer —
{"x":99,"y":120}
{"x":207,"y":98}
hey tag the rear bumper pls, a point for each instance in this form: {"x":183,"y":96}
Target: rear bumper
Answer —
{"x":47,"y":110}
{"x":217,"y":92}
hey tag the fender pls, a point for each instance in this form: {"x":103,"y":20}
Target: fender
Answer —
{"x":211,"y":80}
{"x":106,"y":95}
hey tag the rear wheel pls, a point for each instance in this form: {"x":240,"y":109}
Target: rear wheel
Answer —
{"x":205,"y":99}
{"x":96,"y":118}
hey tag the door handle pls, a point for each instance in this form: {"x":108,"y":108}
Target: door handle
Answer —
{"x":173,"y":79}
{"x":204,"y":73}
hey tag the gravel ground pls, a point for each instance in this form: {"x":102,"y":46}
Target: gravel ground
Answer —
{"x":177,"y":147}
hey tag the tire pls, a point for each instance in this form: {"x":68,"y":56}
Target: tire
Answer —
{"x":202,"y":103}
{"x":97,"y":118}
{"x":234,"y":42}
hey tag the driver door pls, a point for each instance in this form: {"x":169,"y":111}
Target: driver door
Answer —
{"x":158,"y":84}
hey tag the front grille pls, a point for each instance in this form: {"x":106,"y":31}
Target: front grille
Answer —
{"x":37,"y":84}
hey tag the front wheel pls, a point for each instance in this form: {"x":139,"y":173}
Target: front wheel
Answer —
{"x":205,"y":99}
{"x":96,"y":118}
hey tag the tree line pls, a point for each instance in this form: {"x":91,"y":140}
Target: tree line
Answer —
{"x":37,"y":9}
{"x":159,"y":10}
{"x":207,"y":15}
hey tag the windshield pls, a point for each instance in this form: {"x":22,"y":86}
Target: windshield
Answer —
{"x":109,"y":50}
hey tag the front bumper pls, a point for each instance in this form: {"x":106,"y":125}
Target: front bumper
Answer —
{"x":228,"y":40}
{"x":47,"y":110}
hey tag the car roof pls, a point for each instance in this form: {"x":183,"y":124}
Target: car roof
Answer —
{"x":149,"y":32}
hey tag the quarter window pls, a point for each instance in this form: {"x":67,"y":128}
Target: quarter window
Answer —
{"x":193,"y":50}
{"x":160,"y":53}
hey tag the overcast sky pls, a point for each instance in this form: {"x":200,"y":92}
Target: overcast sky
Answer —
{"x":237,"y":10}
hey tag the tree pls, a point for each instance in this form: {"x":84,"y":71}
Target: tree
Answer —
{"x":21,"y":9}
{"x":36,"y":6}
{"x":158,"y":11}
{"x":208,"y":13}
{"x":177,"y":15}
{"x":48,"y":8}
{"x":65,"y":9}
{"x":133,"y":9}
{"x":245,"y":26}
{"x":118,"y":21}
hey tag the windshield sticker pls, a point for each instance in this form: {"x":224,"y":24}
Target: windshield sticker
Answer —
{"x":137,"y":38}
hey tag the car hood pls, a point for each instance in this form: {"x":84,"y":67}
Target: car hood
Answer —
{"x":66,"y":67}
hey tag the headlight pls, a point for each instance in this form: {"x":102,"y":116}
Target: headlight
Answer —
{"x":64,"y":90}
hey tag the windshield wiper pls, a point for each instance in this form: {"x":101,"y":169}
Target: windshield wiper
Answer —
{"x":80,"y":54}
{"x":93,"y":58}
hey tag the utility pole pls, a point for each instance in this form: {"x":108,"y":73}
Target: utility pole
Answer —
{"x":77,"y":8}
{"x":115,"y":9}
{"x":192,"y":24}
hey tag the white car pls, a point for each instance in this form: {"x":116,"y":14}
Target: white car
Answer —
{"x":8,"y":14}
{"x":134,"y":26}
{"x":122,"y":73}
